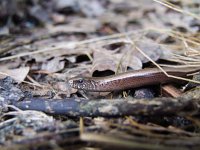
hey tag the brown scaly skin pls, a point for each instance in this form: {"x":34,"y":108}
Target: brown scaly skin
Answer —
{"x":130,"y":79}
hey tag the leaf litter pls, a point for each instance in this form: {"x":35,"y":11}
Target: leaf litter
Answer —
{"x":43,"y":44}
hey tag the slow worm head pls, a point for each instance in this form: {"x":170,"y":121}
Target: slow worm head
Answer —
{"x":84,"y":83}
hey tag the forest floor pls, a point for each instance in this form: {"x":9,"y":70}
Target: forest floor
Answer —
{"x":44,"y":44}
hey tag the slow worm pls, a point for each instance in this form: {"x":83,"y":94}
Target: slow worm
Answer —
{"x":130,"y":79}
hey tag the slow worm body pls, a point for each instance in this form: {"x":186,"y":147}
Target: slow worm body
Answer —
{"x":130,"y":79}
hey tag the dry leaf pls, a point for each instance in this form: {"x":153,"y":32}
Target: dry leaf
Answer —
{"x":18,"y":74}
{"x":54,"y":65}
{"x":107,"y":60}
{"x":153,"y":50}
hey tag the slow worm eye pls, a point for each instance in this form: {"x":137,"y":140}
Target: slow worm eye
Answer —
{"x":80,"y":81}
